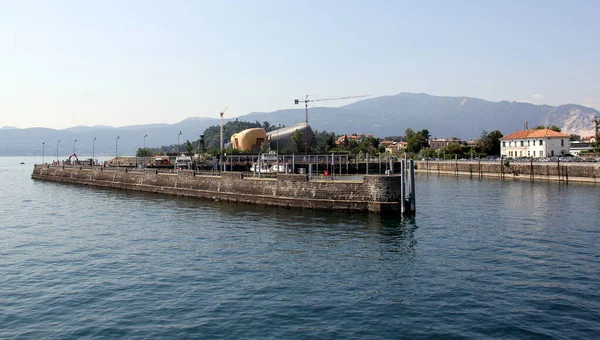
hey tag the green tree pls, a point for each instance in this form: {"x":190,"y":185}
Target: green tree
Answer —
{"x":189,"y":148}
{"x":298,"y":140}
{"x":553,"y":128}
{"x":429,"y":153}
{"x":489,"y":143}
{"x":144,"y":152}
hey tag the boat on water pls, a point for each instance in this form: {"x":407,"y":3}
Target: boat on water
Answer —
{"x":22,"y":162}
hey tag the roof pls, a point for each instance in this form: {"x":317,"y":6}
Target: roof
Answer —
{"x":544,"y":133}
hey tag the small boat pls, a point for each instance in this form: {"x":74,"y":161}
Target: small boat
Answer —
{"x":22,"y":162}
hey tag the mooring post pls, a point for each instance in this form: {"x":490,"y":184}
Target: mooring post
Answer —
{"x":412,"y":186}
{"x":456,"y":164}
{"x":402,"y":188}
{"x":391,"y":165}
{"x":531,"y":170}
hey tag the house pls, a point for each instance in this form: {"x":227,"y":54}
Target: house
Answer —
{"x":395,"y":147}
{"x":355,"y":137}
{"x":535,"y":143}
{"x":438,"y":143}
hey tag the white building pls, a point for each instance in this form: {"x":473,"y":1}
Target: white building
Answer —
{"x":535,"y":143}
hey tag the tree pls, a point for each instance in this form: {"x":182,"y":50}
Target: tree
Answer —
{"x":429,"y":153}
{"x":189,"y":148}
{"x":415,"y":141}
{"x":553,"y":128}
{"x":144,"y":152}
{"x":489,"y":143}
{"x":297,"y":140}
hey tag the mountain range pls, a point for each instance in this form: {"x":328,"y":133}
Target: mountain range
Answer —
{"x":462,"y":117}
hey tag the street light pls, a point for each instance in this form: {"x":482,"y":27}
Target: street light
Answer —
{"x":178,"y":148}
{"x":43,"y":143}
{"x":278,"y":147}
{"x":74,"y":145}
{"x":93,"y":142}
{"x":57,"y":151}
{"x":117,"y":148}
{"x":144,"y":150}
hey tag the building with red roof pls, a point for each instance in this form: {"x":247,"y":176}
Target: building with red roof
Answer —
{"x":535,"y":143}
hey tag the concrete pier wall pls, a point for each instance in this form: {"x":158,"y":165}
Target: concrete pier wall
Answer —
{"x":552,"y":171}
{"x":378,"y":194}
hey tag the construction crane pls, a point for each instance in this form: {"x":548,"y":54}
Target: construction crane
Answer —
{"x":306,"y":101}
{"x":221,"y":145}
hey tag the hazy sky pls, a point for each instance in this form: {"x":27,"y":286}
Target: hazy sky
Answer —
{"x":68,"y":63}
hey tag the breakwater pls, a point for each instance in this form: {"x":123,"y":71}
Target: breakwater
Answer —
{"x":549,"y":171}
{"x":377,"y":194}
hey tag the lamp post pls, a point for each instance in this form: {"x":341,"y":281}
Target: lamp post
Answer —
{"x":43,"y":143}
{"x":144,"y":150}
{"x":117,"y":148}
{"x":57,"y":151}
{"x":178,"y":148}
{"x":74,"y":145}
{"x":93,"y":145}
{"x":279,"y":127}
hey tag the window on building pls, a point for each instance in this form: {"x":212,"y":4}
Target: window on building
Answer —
{"x":534,"y":142}
{"x":521,"y":153}
{"x":503,"y":144}
{"x":522,"y":143}
{"x":562,"y":142}
{"x":510,"y":143}
{"x":528,"y":153}
{"x":534,"y":151}
{"x":541,"y":153}
{"x":528,"y":143}
{"x":541,"y":142}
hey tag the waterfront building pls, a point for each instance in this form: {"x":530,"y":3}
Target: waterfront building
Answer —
{"x":535,"y":143}
{"x":249,"y":139}
{"x":438,"y":143}
{"x":281,"y":139}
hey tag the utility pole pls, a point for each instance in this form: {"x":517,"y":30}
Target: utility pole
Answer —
{"x":221,"y":139}
{"x":306,"y":101}
{"x":596,"y":129}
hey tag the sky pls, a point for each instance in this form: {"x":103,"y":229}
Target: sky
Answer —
{"x":126,"y":62}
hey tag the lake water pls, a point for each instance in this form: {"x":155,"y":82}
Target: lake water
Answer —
{"x":482,"y":258}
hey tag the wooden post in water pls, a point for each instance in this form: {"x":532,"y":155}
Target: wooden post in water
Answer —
{"x":531,"y":170}
{"x":456,"y":164}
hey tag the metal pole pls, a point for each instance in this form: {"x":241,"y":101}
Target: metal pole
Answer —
{"x":178,"y":148}
{"x":367,"y":163}
{"x":402,"y":188}
{"x":57,"y":151}
{"x":278,"y":148}
{"x":43,"y":143}
{"x":93,"y":146}
{"x":144,"y":152}
{"x":74,"y":145}
{"x":412,"y":186}
{"x":117,"y":148}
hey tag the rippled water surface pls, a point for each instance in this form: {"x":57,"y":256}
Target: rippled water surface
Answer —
{"x":482,"y":258}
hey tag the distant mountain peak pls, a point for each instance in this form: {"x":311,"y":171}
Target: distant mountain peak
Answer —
{"x":9,"y":128}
